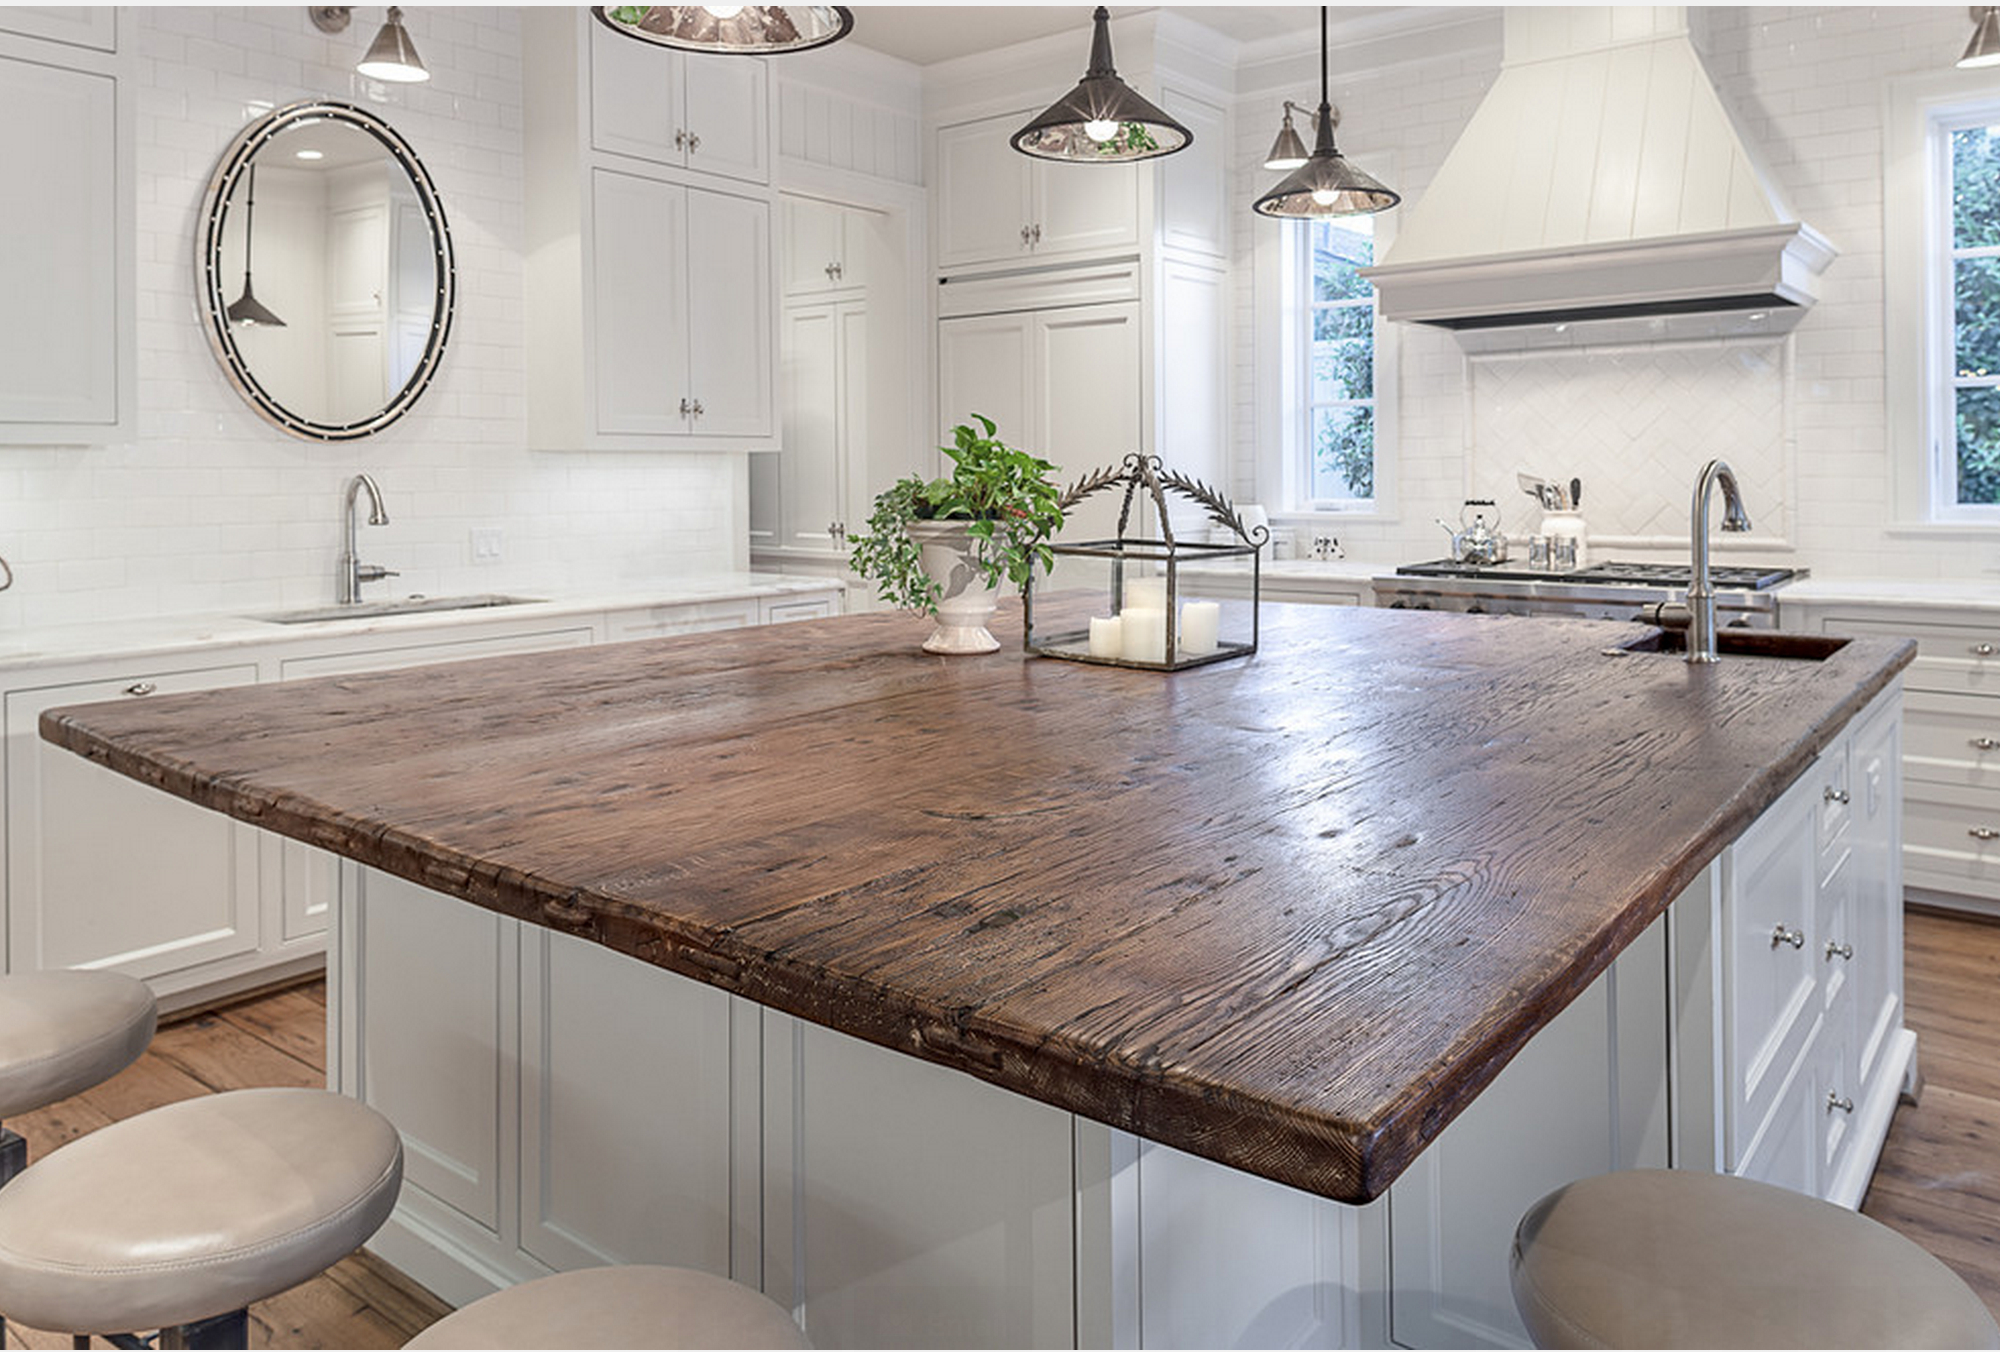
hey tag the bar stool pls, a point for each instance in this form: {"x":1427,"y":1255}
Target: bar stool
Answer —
{"x":60,"y":1034}
{"x":618,"y":1307}
{"x":1677,"y":1258}
{"x":180,"y":1217}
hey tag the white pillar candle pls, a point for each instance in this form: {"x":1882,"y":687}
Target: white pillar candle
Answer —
{"x":1107,"y":637}
{"x":1201,"y":626}
{"x":1144,"y":635}
{"x":1145,"y":593}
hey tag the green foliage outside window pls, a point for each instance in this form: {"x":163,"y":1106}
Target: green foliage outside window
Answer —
{"x":1975,"y":230}
{"x":1341,"y":362}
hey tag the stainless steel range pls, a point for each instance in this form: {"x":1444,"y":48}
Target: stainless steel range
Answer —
{"x":1603,"y":591}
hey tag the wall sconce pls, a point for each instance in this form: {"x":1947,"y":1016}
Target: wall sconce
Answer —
{"x":391,"y":57}
{"x":1288,"y":151}
{"x":1984,"y":49}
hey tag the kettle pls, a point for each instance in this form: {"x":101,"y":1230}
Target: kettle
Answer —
{"x":1476,"y":542}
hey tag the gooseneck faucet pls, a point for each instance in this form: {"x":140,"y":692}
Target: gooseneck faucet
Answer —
{"x":1700,"y":597}
{"x":353,"y":572}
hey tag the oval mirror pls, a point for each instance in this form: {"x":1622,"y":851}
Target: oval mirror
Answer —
{"x":325,"y":270}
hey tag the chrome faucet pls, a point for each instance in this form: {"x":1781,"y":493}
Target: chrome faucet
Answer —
{"x":353,"y":572}
{"x":1696,"y":615}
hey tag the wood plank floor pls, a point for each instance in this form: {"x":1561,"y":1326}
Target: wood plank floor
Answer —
{"x":1938,"y":1181}
{"x":272,"y":1039}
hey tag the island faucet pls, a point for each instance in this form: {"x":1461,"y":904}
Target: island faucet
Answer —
{"x":1697,"y":614}
{"x":353,"y":572}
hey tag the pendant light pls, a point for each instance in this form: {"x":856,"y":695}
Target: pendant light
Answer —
{"x":1288,"y":151}
{"x":1326,"y":184}
{"x":392,"y":56}
{"x":745,"y":30}
{"x":1103,"y":120}
{"x":248,"y":309}
{"x":1984,"y":49}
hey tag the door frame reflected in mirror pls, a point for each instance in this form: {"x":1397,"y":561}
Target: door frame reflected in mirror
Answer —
{"x":214,"y":281}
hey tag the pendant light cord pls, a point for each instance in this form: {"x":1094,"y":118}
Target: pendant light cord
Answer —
{"x":249,"y":224}
{"x":1324,"y":101}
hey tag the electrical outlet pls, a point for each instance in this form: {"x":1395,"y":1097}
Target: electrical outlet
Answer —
{"x":486,"y":545}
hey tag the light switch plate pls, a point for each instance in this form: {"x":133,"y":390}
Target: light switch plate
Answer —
{"x":486,"y":544}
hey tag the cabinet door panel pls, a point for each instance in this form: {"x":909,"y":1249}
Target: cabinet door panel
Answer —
{"x":640,"y":325}
{"x":983,"y":192}
{"x":434,"y":1054}
{"x":625,"y":1110}
{"x":1087,"y":373}
{"x":728,"y":117}
{"x":729,"y":313}
{"x":985,"y":366}
{"x":1088,"y":211}
{"x":1192,"y":401}
{"x":811,"y":245}
{"x":103,"y":871}
{"x":813,"y":491}
{"x":636,"y":98}
{"x":58,"y":133}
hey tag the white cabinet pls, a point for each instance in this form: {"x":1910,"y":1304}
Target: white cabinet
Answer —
{"x":68,"y":376}
{"x":103,"y":871}
{"x":996,"y":205}
{"x":651,"y":300}
{"x":695,"y":112}
{"x":825,"y":248}
{"x":823,"y":492}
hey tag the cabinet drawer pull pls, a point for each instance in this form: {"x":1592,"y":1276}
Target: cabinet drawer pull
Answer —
{"x":1024,"y":235}
{"x":694,"y":141}
{"x":1834,"y":950}
{"x":141,"y":688}
{"x":1985,"y":744}
{"x":680,"y":140}
{"x":1834,"y":1100}
{"x":1834,"y":795}
{"x":1982,"y":650}
{"x":1781,"y":935}
{"x":1983,"y":833}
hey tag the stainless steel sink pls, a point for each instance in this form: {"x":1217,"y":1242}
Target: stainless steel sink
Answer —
{"x":409,"y":605}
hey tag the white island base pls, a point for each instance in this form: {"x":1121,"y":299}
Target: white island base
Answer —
{"x":563,"y":1106}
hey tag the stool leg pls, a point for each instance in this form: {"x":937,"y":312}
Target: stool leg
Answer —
{"x":222,"y":1330}
{"x":13,"y":1154}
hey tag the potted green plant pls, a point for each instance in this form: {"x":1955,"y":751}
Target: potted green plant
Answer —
{"x":944,"y":547}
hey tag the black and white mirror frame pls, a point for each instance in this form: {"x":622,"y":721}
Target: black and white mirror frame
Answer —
{"x":222,"y":190}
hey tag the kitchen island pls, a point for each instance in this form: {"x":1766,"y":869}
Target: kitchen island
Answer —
{"x":1290,"y":916}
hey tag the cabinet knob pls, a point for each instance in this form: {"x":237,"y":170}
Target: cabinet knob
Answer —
{"x":1983,"y":650}
{"x":1038,"y":234}
{"x":141,"y":688}
{"x":1842,"y":951}
{"x":1984,"y":744}
{"x":830,"y":272}
{"x":698,"y":409}
{"x":1834,"y":795}
{"x":694,"y":142}
{"x":680,"y":140}
{"x":1834,"y":1100}
{"x":1983,"y":833}
{"x":839,"y":271}
{"x":687,"y":409}
{"x":1781,"y":935}
{"x":1024,"y":235}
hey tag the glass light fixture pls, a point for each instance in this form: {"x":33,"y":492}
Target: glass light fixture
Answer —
{"x":749,"y":30}
{"x":1326,"y":184}
{"x":248,"y":310}
{"x":392,"y":56}
{"x":1288,"y":151}
{"x":1984,"y":49}
{"x":1103,"y":120}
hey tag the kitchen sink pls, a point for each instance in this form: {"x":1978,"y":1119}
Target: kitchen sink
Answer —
{"x":409,"y":605}
{"x":1742,"y":643}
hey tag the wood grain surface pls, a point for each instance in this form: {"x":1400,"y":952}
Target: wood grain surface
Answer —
{"x":1290,"y":913}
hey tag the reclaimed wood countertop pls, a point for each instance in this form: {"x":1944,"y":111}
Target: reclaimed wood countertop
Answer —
{"x":1291,"y":913}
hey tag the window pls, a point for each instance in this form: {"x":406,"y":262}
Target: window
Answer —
{"x":1967,"y":314}
{"x":1338,"y":347}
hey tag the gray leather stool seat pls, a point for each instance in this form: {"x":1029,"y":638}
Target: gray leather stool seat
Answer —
{"x":194,"y":1210}
{"x":618,"y":1307}
{"x":62,"y":1032}
{"x":1676,"y":1258}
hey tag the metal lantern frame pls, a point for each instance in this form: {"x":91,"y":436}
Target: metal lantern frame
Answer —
{"x":1136,"y":473}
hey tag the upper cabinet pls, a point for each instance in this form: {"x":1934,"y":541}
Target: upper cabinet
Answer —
{"x":824,"y":248}
{"x":704,"y":113}
{"x":651,"y":293}
{"x":66,"y":122}
{"x":996,"y":205}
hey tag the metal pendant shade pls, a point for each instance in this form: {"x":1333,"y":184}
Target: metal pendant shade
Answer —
{"x":1103,"y":120}
{"x":1288,"y":151}
{"x":392,"y":56}
{"x":747,"y":30}
{"x":1984,"y":49}
{"x":1326,"y":184}
{"x":248,"y":309}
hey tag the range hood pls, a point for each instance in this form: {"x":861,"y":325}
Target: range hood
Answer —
{"x":1601,"y":178}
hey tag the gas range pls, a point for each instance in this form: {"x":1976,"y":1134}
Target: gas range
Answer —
{"x":1607,"y":591}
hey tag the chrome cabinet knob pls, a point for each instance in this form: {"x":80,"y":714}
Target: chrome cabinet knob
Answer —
{"x":141,"y":688}
{"x":680,"y":140}
{"x":686,"y":408}
{"x":698,"y":409}
{"x":1834,"y":1100}
{"x":1843,"y":951}
{"x":1038,"y":234}
{"x":1983,"y":833}
{"x":1985,"y":744}
{"x":1781,"y":935}
{"x":1983,"y":650}
{"x":694,"y":141}
{"x":1024,"y":235}
{"x":1834,"y":795}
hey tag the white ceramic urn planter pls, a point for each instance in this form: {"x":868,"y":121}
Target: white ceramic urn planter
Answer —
{"x":965,"y":601}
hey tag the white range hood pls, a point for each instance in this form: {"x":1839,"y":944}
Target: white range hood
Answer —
{"x":1600,"y":178}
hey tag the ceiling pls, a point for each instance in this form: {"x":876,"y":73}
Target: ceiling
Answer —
{"x":923,"y":34}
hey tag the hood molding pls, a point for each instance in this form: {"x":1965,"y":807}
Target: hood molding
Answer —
{"x":1601,"y":177}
